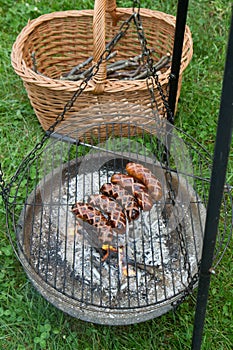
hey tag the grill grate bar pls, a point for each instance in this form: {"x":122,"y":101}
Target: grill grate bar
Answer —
{"x":156,"y":250}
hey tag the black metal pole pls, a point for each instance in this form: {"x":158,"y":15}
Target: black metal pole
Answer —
{"x":181,"y":16}
{"x":221,"y":154}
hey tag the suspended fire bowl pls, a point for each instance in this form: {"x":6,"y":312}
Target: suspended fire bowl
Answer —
{"x":144,"y":271}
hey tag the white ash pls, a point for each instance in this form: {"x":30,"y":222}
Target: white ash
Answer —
{"x":67,"y":260}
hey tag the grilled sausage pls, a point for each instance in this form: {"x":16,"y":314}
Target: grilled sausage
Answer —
{"x":144,"y":175}
{"x":135,"y":188}
{"x":116,"y":217}
{"x":95,"y":218}
{"x":89,"y":214}
{"x":124,"y":198}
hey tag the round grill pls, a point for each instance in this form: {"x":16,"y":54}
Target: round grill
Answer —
{"x":133,"y":276}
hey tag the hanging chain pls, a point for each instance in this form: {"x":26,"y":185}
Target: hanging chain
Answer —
{"x":152,"y":76}
{"x":5,"y":188}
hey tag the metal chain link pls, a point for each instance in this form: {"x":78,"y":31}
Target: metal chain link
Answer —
{"x":188,"y":290}
{"x":152,"y":75}
{"x":2,"y":185}
{"x":184,"y":252}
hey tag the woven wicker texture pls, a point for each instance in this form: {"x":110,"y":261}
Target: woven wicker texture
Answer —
{"x":61,"y":40}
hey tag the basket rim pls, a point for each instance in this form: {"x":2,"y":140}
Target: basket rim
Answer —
{"x":28,"y":75}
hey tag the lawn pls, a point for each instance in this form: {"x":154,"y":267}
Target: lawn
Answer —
{"x":28,"y":321}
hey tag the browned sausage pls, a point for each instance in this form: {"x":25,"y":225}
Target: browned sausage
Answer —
{"x":95,"y":218}
{"x":116,"y":217}
{"x":89,"y":214}
{"x":124,"y":198}
{"x":135,"y":188}
{"x":140,"y":173}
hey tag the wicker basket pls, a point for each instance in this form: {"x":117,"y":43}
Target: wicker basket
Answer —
{"x":61,"y":40}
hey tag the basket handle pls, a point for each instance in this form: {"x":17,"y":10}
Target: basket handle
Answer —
{"x":99,"y":26}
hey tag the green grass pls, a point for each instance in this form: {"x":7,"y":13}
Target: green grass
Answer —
{"x":28,"y":321}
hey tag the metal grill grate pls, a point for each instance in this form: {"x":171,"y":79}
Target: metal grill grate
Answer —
{"x":154,"y":264}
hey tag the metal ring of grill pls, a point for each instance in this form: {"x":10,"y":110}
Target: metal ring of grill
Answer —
{"x":161,"y":250}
